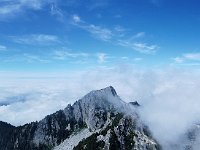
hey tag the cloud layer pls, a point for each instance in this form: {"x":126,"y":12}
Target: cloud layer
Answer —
{"x":169,"y":98}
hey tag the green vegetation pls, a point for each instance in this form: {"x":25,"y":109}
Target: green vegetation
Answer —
{"x":116,"y":120}
{"x":114,"y":143}
{"x":128,"y":140}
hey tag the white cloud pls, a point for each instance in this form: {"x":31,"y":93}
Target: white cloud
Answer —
{"x":10,"y":8}
{"x":64,"y":54}
{"x":35,"y":39}
{"x":140,"y":47}
{"x":192,"y":56}
{"x":125,"y":58}
{"x":139,"y":35}
{"x":80,"y":57}
{"x":119,"y":28}
{"x":57,"y":12}
{"x":189,"y":58}
{"x":102,"y":57}
{"x":132,"y":60}
{"x":114,"y":36}
{"x":3,"y":48}
{"x":98,"y":32}
{"x":137,"y":59}
{"x":27,"y":58}
{"x":120,"y":31}
{"x":97,"y":4}
{"x":178,"y":59}
{"x":76,"y":18}
{"x":145,"y":48}
{"x":40,"y":100}
{"x":165,"y":107}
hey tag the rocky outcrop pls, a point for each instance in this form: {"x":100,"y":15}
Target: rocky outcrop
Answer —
{"x":109,"y":123}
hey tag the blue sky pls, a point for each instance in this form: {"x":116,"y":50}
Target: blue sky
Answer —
{"x":67,"y":35}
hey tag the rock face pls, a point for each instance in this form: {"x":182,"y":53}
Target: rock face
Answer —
{"x":135,"y":103}
{"x":100,"y":120}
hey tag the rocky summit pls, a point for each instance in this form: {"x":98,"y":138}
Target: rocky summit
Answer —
{"x":98,"y":121}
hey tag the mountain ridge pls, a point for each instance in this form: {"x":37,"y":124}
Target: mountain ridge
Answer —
{"x":100,"y":114}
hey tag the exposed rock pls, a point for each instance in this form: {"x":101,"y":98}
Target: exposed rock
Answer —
{"x":99,"y":120}
{"x":135,"y":103}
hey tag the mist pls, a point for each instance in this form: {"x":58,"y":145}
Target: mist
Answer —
{"x":169,"y":98}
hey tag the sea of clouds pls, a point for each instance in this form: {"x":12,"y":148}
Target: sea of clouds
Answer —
{"x":169,"y":98}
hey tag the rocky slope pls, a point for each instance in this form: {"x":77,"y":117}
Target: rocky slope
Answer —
{"x":100,"y":120}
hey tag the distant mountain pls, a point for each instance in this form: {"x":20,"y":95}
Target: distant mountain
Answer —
{"x":98,"y":121}
{"x":190,"y":140}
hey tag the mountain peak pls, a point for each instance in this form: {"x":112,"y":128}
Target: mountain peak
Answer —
{"x":110,"y":89}
{"x":135,"y":103}
{"x":99,"y":97}
{"x":105,"y":93}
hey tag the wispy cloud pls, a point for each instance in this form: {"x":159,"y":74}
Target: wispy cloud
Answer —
{"x":98,"y":58}
{"x":35,"y":39}
{"x":137,"y":59}
{"x":119,"y":28}
{"x":34,"y":58}
{"x":98,"y":32}
{"x":56,"y":11}
{"x":51,"y":57}
{"x":76,"y":18}
{"x":187,"y":57}
{"x":11,"y":8}
{"x":145,"y":48}
{"x":114,"y":36}
{"x":192,"y":56}
{"x":178,"y":59}
{"x":97,"y":4}
{"x":3,"y":48}
{"x":139,"y":35}
{"x":63,"y":54}
{"x":27,"y":57}
{"x":120,"y":31}
{"x":140,"y":47}
{"x":102,"y":57}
